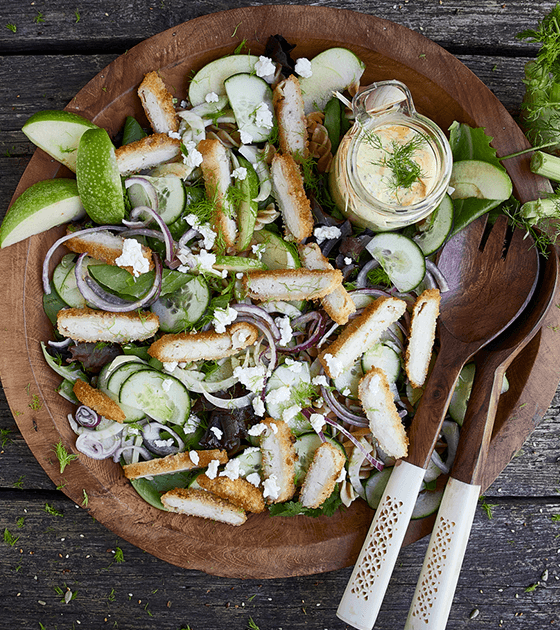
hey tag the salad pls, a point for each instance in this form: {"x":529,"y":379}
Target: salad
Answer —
{"x":227,"y":334}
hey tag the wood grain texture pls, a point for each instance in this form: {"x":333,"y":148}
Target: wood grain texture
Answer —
{"x":506,"y":555}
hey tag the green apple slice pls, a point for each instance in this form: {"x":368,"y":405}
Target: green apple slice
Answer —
{"x":211,"y":77}
{"x":58,"y":133}
{"x":44,"y":205}
{"x":474,"y":178}
{"x":98,"y":177}
{"x":333,"y":69}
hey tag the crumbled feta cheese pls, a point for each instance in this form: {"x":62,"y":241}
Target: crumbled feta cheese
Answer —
{"x":192,"y":423}
{"x":191,"y":156}
{"x":317,"y":421}
{"x":285,"y":328}
{"x":239,"y":337}
{"x":303,"y":68}
{"x":263,"y":116}
{"x":258,"y":250}
{"x":169,"y":366}
{"x":257,"y":429}
{"x":217,"y":432}
{"x":271,"y":489}
{"x":319,"y":380}
{"x":239,"y":275}
{"x":290,"y":413}
{"x":202,"y":262}
{"x":258,"y":406}
{"x":132,"y":256}
{"x":251,"y":377}
{"x":174,"y":134}
{"x":293,"y":365}
{"x":184,"y":104}
{"x":335,"y":365}
{"x":212,"y":470}
{"x":211,"y":97}
{"x":163,"y":443}
{"x":245,"y":137}
{"x":204,"y":229}
{"x":346,"y":391}
{"x":254,"y":479}
{"x":265,"y":68}
{"x":280,"y":394}
{"x":166,"y":384}
{"x":326,"y":232}
{"x":194,"y":457}
{"x":223,"y":317}
{"x":318,"y":402}
{"x":348,"y":261}
{"x":239,"y":173}
{"x":232,"y":470}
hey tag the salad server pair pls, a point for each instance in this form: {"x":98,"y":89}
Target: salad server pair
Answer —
{"x":488,"y":290}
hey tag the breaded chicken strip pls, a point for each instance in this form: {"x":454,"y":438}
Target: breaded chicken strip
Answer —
{"x":237,"y":491}
{"x":361,"y":334}
{"x":421,"y":337}
{"x":292,"y":124}
{"x":291,"y":284}
{"x":216,"y":169}
{"x":338,"y":304}
{"x":87,"y":324}
{"x":104,"y":246}
{"x":384,"y":421}
{"x":158,"y":104}
{"x":174,"y":463}
{"x":147,"y":153}
{"x":207,"y":345}
{"x":324,"y":470}
{"x":196,"y":502}
{"x":278,"y":461}
{"x":292,"y":201}
{"x":98,"y":401}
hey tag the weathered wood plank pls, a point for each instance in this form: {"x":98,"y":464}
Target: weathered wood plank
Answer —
{"x":507,"y":555}
{"x":462,"y":25}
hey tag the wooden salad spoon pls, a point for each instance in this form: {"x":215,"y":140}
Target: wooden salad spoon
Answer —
{"x":442,"y":564}
{"x":491,"y":278}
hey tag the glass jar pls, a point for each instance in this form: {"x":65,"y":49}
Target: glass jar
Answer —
{"x":393,"y":166}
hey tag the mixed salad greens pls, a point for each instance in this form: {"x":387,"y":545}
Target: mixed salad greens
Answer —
{"x":182,"y":236}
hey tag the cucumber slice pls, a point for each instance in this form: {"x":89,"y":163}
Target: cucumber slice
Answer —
{"x":248,"y":96}
{"x":184,"y":307}
{"x":426,"y":503}
{"x":296,"y":387}
{"x":58,"y":133}
{"x":109,"y":368}
{"x":211,"y":77}
{"x":347,"y":383}
{"x":435,"y":230}
{"x":119,"y":375}
{"x":132,"y":414}
{"x":237,"y":264}
{"x":64,"y":280}
{"x":375,"y":486}
{"x":277,"y":253}
{"x":248,"y":208}
{"x":474,"y":178}
{"x":170,"y":193}
{"x":461,"y":393}
{"x":384,"y":358}
{"x":333,"y":69}
{"x":161,"y":396}
{"x":250,"y":461}
{"x":401,"y":258}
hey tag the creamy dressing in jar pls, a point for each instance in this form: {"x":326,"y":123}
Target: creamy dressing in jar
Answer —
{"x":393,"y":167}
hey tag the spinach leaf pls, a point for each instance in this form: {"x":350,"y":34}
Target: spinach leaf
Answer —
{"x":122,"y":282}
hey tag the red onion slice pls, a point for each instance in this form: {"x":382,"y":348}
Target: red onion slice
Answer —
{"x":340,"y":411}
{"x":257,"y":311}
{"x":105,"y":301}
{"x":378,"y":465}
{"x":63,"y":239}
{"x":88,"y":444}
{"x":147,"y":187}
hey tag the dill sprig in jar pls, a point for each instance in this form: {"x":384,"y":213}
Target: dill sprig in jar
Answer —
{"x":393,"y":167}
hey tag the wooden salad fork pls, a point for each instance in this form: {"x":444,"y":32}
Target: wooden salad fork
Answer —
{"x":491,"y":277}
{"x":442,"y":564}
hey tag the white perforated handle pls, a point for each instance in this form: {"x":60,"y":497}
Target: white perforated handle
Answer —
{"x":442,"y":564}
{"x":364,"y":593}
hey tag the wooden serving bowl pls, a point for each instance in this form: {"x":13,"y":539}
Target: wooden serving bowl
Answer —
{"x":443,"y":89}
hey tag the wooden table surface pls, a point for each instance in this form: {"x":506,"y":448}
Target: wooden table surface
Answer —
{"x":66,"y":571}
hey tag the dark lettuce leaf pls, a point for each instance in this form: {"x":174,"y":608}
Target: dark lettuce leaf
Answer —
{"x":278,"y":49}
